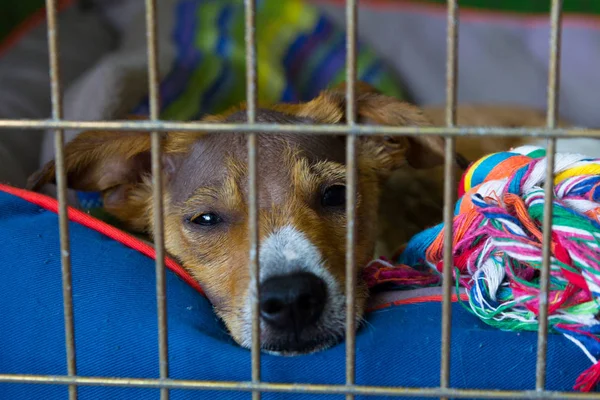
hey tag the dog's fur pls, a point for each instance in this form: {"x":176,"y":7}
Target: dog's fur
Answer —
{"x":207,"y":173}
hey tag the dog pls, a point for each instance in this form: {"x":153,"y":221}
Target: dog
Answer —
{"x":301,"y":200}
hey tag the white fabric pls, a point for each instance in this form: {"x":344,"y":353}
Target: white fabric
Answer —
{"x":25,"y":83}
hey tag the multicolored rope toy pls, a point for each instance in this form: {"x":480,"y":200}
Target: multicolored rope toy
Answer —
{"x":498,"y":247}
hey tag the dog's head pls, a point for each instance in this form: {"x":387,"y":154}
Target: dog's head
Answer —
{"x":301,"y":200}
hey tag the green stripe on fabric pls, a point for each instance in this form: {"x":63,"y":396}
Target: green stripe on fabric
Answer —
{"x":363,"y":61}
{"x":528,"y":6}
{"x":382,"y":80}
{"x":186,"y":106}
{"x":387,"y":85}
{"x":274,"y":37}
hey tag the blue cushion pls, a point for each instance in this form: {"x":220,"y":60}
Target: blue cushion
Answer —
{"x":116,"y":328}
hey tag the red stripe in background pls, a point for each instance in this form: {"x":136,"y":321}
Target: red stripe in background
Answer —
{"x":475,"y":15}
{"x":32,"y":21}
{"x":134,"y":243}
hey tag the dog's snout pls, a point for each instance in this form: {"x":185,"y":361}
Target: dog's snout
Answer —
{"x":292,"y":302}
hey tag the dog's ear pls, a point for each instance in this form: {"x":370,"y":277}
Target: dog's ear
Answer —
{"x":109,"y":162}
{"x":374,"y":108}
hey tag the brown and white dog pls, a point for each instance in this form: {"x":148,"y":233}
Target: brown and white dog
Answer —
{"x":301,"y":196}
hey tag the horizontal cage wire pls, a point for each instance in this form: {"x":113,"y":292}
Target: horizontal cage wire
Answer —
{"x":310,"y":129}
{"x":351,"y":130}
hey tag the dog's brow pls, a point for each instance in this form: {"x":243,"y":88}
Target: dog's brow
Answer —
{"x":309,"y":177}
{"x":226,"y":194}
{"x":203,"y":194}
{"x":330,"y":170}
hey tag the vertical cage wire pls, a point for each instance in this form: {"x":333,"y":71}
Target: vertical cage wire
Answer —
{"x":251,"y":99}
{"x":551,"y":119}
{"x":449,"y":190}
{"x":61,"y":186}
{"x":351,"y":28}
{"x":157,"y":193}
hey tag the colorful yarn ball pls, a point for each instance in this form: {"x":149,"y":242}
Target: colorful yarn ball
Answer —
{"x":497,"y":246}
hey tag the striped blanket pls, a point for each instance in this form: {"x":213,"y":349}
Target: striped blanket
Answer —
{"x":299,"y":53}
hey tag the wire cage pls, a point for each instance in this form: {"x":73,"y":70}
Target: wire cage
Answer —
{"x":350,"y":130}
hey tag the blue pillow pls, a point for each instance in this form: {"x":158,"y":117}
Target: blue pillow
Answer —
{"x":116,"y":328}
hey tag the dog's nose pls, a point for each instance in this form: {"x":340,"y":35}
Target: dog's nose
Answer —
{"x":292,"y":302}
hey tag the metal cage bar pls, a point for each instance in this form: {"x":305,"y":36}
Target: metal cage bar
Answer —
{"x":351,"y":190}
{"x":157,"y":195}
{"x":361,"y":390}
{"x":449,"y":191}
{"x":351,"y":130}
{"x":269,"y":128}
{"x":61,"y":186}
{"x":251,"y":100}
{"x":551,"y":118}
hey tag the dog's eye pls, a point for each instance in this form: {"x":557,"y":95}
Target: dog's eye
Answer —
{"x":334,"y":196}
{"x":207,"y":219}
